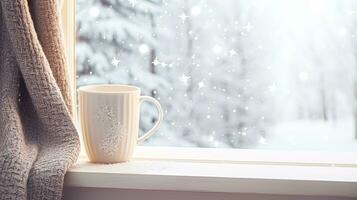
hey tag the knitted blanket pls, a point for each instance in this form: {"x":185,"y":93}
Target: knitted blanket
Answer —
{"x":38,"y":140}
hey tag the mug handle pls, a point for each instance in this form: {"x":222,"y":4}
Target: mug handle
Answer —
{"x":161,"y":116}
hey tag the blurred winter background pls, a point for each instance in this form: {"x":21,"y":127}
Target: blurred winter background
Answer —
{"x":271,"y":74}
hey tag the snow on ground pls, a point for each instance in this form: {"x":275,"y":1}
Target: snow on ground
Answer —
{"x":311,"y":135}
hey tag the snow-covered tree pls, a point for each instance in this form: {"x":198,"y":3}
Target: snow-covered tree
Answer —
{"x":112,"y":34}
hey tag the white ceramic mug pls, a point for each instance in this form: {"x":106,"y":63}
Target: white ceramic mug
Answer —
{"x":109,"y":118}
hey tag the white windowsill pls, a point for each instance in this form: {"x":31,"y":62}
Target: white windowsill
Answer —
{"x":224,"y":170}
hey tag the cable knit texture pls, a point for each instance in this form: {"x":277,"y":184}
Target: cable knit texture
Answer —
{"x":38,"y":140}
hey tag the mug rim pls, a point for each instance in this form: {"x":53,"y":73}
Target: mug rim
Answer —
{"x":109,"y":89}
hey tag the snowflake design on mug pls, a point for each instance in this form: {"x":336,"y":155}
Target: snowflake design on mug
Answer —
{"x":113,"y":132}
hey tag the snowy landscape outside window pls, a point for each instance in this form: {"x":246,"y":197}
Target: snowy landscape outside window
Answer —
{"x":262,"y":74}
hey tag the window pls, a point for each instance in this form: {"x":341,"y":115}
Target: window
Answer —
{"x":235,"y":74}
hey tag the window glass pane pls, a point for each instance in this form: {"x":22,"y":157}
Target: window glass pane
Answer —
{"x":268,"y":74}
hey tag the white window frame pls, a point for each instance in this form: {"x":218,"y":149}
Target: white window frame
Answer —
{"x":213,"y":170}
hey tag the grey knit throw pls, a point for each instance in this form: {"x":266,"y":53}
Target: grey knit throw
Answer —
{"x":38,"y":140}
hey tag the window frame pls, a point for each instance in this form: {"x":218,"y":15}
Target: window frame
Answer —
{"x":82,"y":174}
{"x":69,"y":34}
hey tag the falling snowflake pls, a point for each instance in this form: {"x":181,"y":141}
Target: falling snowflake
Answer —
{"x":184,"y":79}
{"x":156,"y":62}
{"x":232,"y":52}
{"x":115,"y":61}
{"x":201,"y":84}
{"x":94,"y":12}
{"x":183,"y":17}
{"x":163,"y":64}
{"x":144,"y":49}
